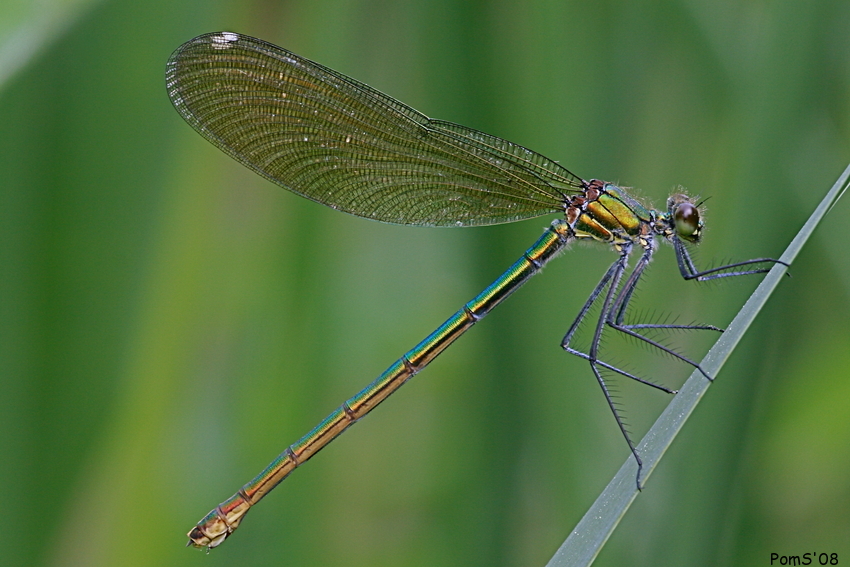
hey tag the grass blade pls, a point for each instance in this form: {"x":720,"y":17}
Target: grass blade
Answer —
{"x":27,"y":28}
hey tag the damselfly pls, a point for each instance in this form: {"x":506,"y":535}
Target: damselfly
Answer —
{"x":341,"y":143}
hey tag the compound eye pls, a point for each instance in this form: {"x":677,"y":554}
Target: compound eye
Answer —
{"x":686,"y":218}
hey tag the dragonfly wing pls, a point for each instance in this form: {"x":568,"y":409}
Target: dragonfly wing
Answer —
{"x":344,"y":144}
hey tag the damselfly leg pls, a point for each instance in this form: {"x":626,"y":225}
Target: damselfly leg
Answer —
{"x":613,"y":314}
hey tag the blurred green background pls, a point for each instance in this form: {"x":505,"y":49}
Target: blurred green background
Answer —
{"x":169,"y":321}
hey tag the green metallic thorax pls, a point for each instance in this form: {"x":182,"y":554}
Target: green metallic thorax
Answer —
{"x":607,"y":214}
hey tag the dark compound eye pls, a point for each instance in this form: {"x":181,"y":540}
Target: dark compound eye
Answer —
{"x":686,"y":218}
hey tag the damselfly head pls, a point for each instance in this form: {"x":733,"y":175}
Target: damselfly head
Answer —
{"x":685,"y":218}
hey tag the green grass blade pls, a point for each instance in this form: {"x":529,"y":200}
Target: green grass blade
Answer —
{"x":27,"y":28}
{"x":586,"y":540}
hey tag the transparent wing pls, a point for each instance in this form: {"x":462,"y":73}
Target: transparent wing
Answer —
{"x":334,"y":140}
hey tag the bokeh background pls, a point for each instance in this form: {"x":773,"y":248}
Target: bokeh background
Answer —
{"x":170,"y":322}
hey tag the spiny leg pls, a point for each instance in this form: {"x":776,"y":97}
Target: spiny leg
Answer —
{"x":616,"y":268}
{"x":590,"y":301}
{"x":611,"y":280}
{"x":690,"y":272}
{"x":616,"y":315}
{"x":613,"y":311}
